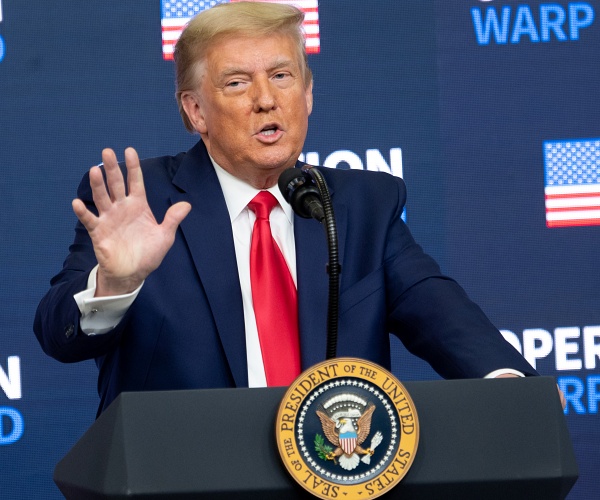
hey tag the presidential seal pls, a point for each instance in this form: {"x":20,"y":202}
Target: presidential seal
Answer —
{"x":347,"y":428}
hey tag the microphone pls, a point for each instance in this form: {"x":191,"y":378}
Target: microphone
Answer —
{"x":299,"y":191}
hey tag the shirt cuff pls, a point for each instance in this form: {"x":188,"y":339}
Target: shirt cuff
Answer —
{"x":101,"y":314}
{"x":504,"y":371}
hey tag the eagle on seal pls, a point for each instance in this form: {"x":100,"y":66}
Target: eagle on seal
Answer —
{"x":347,"y":439}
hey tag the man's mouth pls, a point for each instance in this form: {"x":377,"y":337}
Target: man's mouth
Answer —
{"x":269,"y":129}
{"x":270,"y":132}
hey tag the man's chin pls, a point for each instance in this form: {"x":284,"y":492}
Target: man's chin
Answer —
{"x":276,"y":162}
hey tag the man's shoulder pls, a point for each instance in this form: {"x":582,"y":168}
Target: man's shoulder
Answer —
{"x":366,"y":192}
{"x":169,"y":165}
{"x":367,"y":181}
{"x":157,"y":165}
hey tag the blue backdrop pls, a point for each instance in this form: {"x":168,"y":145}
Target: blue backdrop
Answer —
{"x":488,"y":109}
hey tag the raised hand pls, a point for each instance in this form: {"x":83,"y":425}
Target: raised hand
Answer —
{"x":128,"y":241}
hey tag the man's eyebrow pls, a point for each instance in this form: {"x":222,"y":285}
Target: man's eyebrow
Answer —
{"x":235,"y":70}
{"x":239,"y":70}
{"x":282,"y":63}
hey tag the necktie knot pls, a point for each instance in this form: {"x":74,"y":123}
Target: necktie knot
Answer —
{"x":262,"y":204}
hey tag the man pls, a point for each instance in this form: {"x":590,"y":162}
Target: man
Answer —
{"x":175,"y":306}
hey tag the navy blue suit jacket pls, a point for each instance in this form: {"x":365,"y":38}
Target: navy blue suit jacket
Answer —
{"x":186,"y":328}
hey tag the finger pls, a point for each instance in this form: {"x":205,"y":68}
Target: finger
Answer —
{"x":135,"y":180}
{"x":175,"y":216}
{"x":114,"y":176}
{"x":87,"y":218}
{"x":99,"y":192}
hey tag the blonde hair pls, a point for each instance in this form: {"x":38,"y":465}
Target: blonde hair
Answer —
{"x":250,"y":19}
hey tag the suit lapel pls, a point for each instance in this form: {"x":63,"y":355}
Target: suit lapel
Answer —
{"x":207,"y":231}
{"x":313,"y":281}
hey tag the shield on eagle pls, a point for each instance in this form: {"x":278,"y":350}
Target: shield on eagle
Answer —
{"x":348,"y":442}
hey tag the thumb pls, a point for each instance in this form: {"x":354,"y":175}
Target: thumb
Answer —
{"x":175,"y":215}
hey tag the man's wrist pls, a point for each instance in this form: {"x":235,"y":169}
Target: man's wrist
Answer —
{"x":101,"y":314}
{"x":111,"y":287}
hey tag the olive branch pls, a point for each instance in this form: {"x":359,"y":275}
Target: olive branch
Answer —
{"x":321,"y":448}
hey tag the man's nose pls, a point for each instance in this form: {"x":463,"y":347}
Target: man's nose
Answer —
{"x":264,"y":95}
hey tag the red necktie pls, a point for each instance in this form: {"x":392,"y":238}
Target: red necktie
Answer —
{"x":274,"y":298}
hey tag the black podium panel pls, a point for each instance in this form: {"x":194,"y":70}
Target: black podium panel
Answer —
{"x":480,"y":439}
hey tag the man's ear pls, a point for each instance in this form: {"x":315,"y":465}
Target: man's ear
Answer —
{"x":309,"y":97}
{"x":193,"y":109}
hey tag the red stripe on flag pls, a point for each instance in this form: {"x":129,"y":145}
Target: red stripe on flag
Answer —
{"x":573,"y":222}
{"x":570,"y":209}
{"x":572,"y":195}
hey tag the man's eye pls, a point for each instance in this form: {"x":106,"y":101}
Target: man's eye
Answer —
{"x":280,"y":76}
{"x":233,"y":84}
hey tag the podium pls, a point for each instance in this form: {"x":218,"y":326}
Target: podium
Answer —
{"x":480,"y":439}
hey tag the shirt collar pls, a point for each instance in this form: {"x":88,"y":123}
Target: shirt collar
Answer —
{"x":238,"y":193}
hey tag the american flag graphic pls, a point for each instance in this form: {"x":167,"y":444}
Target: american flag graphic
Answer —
{"x":177,"y":13}
{"x":572,"y":182}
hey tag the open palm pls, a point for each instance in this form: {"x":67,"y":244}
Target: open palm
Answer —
{"x":128,"y":241}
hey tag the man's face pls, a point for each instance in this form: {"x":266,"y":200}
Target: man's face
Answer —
{"x":252,"y":107}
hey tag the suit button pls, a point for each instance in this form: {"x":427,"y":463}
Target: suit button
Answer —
{"x":69,"y":329}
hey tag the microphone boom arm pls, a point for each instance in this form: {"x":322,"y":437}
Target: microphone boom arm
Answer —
{"x":333,"y":267}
